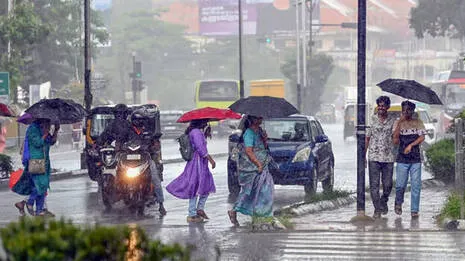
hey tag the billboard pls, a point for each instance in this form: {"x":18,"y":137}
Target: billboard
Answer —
{"x":221,"y":17}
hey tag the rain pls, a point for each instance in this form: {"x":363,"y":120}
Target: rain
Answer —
{"x":178,"y":63}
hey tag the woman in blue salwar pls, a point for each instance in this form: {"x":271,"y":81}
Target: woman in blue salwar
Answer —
{"x":37,"y":146}
{"x":257,"y":187}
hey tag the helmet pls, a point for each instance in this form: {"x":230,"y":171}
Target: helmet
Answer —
{"x":120,"y":110}
{"x":138,"y":117}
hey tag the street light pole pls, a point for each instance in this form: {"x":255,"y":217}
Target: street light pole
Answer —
{"x":297,"y":41}
{"x":87,"y":70}
{"x":304,"y":51}
{"x":361,"y":99}
{"x":241,"y":76}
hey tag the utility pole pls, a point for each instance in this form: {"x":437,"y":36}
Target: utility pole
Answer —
{"x":134,"y":81}
{"x":10,"y":10}
{"x":310,"y":45}
{"x":241,"y":76}
{"x":87,"y":70}
{"x":297,"y":41}
{"x":361,"y":99}
{"x":304,"y":51}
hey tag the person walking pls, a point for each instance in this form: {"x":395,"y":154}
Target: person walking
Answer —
{"x":37,"y":146}
{"x":378,"y":144}
{"x":257,"y":187}
{"x":196,"y":181}
{"x":409,"y":133}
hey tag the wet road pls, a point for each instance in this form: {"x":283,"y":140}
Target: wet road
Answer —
{"x":78,"y":199}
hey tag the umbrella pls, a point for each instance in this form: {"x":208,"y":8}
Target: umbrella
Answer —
{"x":57,"y":110}
{"x":264,"y":106}
{"x":6,"y":111}
{"x":411,"y":90}
{"x":208,"y":113}
{"x":25,"y":118}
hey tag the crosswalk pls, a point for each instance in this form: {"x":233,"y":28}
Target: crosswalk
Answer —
{"x":394,"y":245}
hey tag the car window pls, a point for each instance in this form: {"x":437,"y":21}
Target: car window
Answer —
{"x":314,"y":129}
{"x":319,"y":128}
{"x":287,"y":130}
{"x":424,"y":117}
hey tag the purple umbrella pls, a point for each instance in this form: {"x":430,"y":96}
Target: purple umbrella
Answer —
{"x":26,"y":118}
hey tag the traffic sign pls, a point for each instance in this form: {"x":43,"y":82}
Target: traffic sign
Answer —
{"x":4,"y":86}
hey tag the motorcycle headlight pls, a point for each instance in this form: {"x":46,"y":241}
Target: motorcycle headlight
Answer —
{"x":108,"y":159}
{"x":137,"y":171}
{"x":302,"y":155}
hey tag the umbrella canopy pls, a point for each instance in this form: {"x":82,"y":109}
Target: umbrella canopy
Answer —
{"x":25,"y":118}
{"x":6,"y":111}
{"x":57,"y":110}
{"x":410,"y":89}
{"x":208,"y":113}
{"x":264,"y":106}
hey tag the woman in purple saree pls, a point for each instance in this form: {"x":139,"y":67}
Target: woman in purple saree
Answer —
{"x":196,"y":181}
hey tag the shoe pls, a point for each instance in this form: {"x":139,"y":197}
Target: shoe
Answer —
{"x":202,"y":214}
{"x":384,"y":210}
{"x":30,"y":210}
{"x":162,"y":210}
{"x":194,"y":219}
{"x":48,"y":213}
{"x":398,"y":209}
{"x":233,"y":217}
{"x":415,"y":215}
{"x":377,"y":215}
{"x":20,"y":206}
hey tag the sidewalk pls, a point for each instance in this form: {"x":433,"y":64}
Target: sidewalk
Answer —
{"x":431,"y":203}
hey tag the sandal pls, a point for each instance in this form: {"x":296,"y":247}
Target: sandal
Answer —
{"x":20,"y":206}
{"x":415,"y":215}
{"x":233,"y":217}
{"x":202,"y":214}
{"x":398,"y":209}
{"x":30,"y":210}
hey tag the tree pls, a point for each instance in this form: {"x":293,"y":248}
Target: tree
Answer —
{"x":23,"y":30}
{"x":439,"y":18}
{"x":319,"y":67}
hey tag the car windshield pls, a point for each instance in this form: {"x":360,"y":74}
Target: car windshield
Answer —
{"x":170,"y":117}
{"x":285,"y":129}
{"x":218,"y":91}
{"x":99,"y":123}
{"x":455,"y":94}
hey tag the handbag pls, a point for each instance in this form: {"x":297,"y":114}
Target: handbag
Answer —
{"x":37,"y":166}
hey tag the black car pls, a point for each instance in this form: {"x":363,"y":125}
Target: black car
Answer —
{"x":301,"y":150}
{"x":169,"y":127}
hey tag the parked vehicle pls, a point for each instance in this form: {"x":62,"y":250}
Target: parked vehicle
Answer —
{"x":327,"y":113}
{"x":301,"y":150}
{"x":349,"y":120}
{"x":170,"y":128}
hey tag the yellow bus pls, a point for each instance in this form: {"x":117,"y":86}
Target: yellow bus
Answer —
{"x":268,"y":87}
{"x":216,"y":93}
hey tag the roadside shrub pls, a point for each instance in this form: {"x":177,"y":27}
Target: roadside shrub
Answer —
{"x":39,"y":239}
{"x":452,"y":208}
{"x":440,"y":160}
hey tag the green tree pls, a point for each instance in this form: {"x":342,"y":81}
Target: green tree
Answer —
{"x":23,"y":29}
{"x":439,"y":18}
{"x":319,"y":67}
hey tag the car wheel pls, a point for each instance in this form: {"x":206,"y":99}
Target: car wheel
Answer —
{"x":310,"y":189}
{"x":328,"y":183}
{"x":233,"y":182}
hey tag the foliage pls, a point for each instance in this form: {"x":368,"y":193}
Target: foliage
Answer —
{"x":440,"y":160}
{"x":73,"y":90}
{"x":319,"y":67}
{"x":439,"y":18}
{"x":327,"y":195}
{"x":6,"y":164}
{"x":452,"y":207}
{"x":40,"y":239}
{"x":451,"y":128}
{"x":23,"y":30}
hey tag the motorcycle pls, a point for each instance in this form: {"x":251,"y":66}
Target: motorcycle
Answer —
{"x":127,"y":176}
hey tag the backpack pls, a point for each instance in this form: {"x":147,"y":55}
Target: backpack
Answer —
{"x":185,"y":147}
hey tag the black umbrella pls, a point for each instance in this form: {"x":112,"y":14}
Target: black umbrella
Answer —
{"x":411,"y":90}
{"x":57,"y":110}
{"x":264,"y":106}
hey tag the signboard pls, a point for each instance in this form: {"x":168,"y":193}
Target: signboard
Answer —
{"x":38,"y":92}
{"x":4,"y":87}
{"x":221,"y":17}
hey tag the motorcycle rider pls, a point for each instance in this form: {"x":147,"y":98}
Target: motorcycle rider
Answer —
{"x":121,"y":131}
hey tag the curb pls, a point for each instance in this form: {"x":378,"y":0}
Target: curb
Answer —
{"x":82,"y":172}
{"x":302,"y":208}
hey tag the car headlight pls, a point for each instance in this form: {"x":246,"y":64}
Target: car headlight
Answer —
{"x":302,"y":155}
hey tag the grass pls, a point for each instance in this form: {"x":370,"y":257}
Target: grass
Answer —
{"x":283,"y":219}
{"x":334,"y":194}
{"x":451,"y":209}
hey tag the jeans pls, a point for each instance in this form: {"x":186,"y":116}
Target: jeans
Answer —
{"x":38,"y":199}
{"x":156,"y":181}
{"x":194,"y":206}
{"x":383,"y":170}
{"x":402,"y":173}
